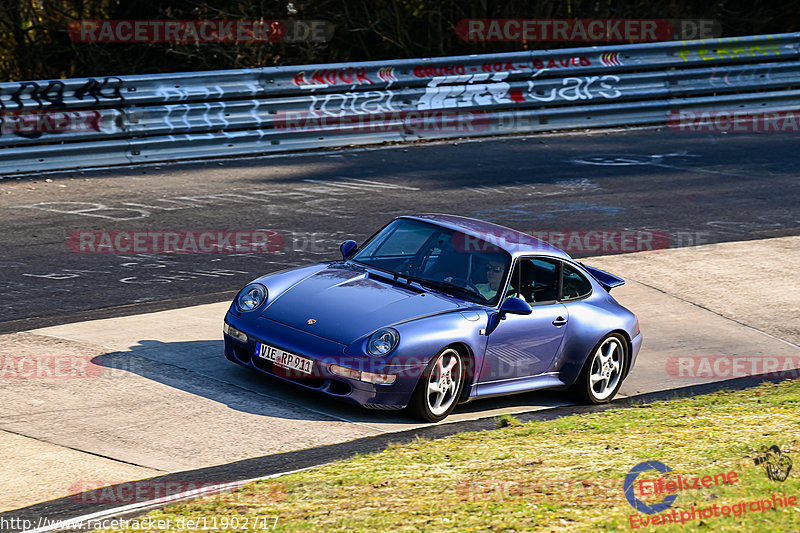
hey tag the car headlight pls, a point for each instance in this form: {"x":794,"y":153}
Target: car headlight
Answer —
{"x":251,"y":297}
{"x":382,"y":342}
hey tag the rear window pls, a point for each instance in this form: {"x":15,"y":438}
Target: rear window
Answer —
{"x":575,"y":285}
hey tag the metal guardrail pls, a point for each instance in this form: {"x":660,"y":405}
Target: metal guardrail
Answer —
{"x":77,"y":123}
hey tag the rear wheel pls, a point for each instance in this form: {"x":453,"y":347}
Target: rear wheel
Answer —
{"x":439,"y":387}
{"x":601,"y":376}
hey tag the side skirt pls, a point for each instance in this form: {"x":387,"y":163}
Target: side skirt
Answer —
{"x":549,"y":380}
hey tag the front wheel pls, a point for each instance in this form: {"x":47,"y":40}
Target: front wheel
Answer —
{"x":601,"y":376}
{"x":439,"y":387}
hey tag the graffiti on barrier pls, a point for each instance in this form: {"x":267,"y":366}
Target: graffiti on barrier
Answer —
{"x":51,"y":94}
{"x":468,"y":90}
{"x":335,"y":76}
{"x":728,"y":76}
{"x":733,"y":50}
{"x":537,"y":64}
{"x":32,"y":123}
{"x":575,"y":88}
{"x":29,"y":109}
{"x":610,"y":59}
{"x":429,"y":71}
{"x":566,"y":62}
{"x":485,"y":89}
{"x":336,"y":104}
{"x":387,"y":74}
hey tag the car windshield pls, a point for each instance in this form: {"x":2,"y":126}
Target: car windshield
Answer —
{"x":447,"y":260}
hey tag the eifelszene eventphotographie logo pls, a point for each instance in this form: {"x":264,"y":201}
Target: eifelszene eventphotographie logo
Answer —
{"x":667,"y":485}
{"x":630,"y":495}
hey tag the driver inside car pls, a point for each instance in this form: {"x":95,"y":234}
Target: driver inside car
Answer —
{"x":494,"y":277}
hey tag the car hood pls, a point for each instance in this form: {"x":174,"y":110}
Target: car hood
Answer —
{"x":347,"y":303}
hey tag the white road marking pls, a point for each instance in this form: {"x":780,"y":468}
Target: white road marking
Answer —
{"x":334,"y":184}
{"x":382,"y":185}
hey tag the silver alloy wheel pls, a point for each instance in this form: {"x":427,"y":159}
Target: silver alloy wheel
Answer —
{"x":444,"y":382}
{"x":606,"y":368}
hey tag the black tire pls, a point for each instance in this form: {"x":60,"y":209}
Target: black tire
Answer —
{"x":437,"y":393}
{"x":602,"y":373}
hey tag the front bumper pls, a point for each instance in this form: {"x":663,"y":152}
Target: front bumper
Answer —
{"x":324,"y":353}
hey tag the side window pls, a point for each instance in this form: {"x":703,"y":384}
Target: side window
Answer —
{"x":535,"y":280}
{"x":575,"y":285}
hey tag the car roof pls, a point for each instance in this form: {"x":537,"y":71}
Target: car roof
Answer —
{"x":512,"y":241}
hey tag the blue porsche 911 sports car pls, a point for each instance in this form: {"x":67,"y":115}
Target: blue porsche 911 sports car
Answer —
{"x":435,"y":310}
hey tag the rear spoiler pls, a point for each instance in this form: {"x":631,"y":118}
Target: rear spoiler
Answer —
{"x":608,"y":281}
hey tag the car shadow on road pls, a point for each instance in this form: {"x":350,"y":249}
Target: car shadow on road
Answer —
{"x":201,"y":369}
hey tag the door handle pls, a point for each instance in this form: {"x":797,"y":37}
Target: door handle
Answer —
{"x":560,"y":321}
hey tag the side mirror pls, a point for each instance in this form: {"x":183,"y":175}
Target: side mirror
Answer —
{"x":515,"y":306}
{"x":347,"y":248}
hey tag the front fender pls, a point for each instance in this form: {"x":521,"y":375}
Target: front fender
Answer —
{"x":277,"y":283}
{"x":421,"y":339}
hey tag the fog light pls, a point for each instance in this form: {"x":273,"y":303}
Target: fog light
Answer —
{"x":227,"y":329}
{"x":380,"y":379}
{"x":344,"y":372}
{"x":369,"y":377}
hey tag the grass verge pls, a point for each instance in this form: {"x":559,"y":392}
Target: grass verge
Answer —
{"x":559,"y":475}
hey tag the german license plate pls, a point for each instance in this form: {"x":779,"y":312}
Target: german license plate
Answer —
{"x":284,"y":359}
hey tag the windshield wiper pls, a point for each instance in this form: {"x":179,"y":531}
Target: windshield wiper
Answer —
{"x":442,"y":286}
{"x":446,"y":287}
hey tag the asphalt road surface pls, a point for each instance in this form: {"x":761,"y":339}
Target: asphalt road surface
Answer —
{"x":695,"y":188}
